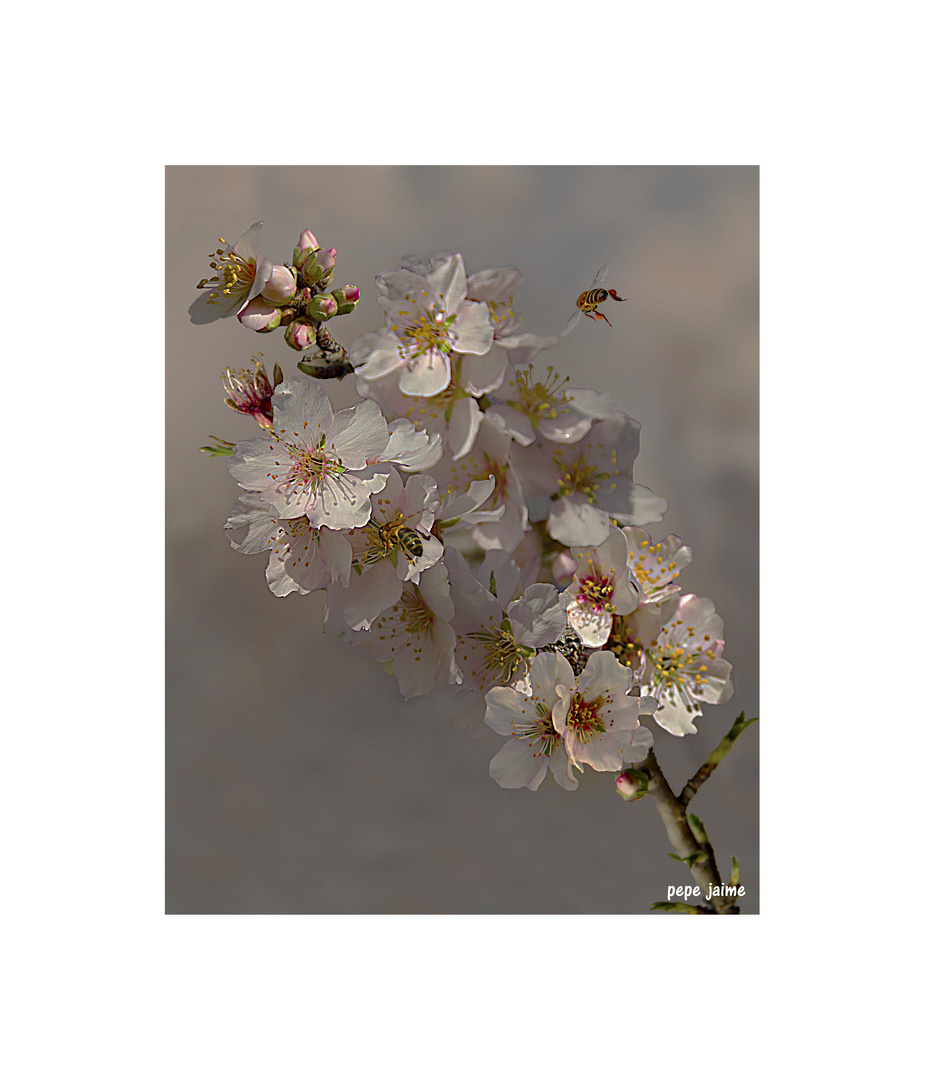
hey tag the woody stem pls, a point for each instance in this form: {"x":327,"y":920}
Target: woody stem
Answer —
{"x":703,"y":861}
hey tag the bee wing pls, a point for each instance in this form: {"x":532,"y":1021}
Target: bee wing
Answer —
{"x":570,"y":325}
{"x":601,"y":274}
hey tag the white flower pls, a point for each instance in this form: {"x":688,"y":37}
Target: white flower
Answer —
{"x":496,"y":288}
{"x":495,"y":644}
{"x":315,"y":464}
{"x":682,"y":665}
{"x":656,"y":565}
{"x":302,"y":558}
{"x":394,"y":547}
{"x":453,"y":413}
{"x":490,"y":458}
{"x":241,"y":273}
{"x":524,"y":408}
{"x":415,"y":635}
{"x":410,"y":448}
{"x":590,"y":482}
{"x":429,"y":318}
{"x":596,"y":717}
{"x":536,"y":744}
{"x":602,"y":588}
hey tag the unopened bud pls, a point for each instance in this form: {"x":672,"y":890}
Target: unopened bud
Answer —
{"x":280,"y":287}
{"x":300,"y":335}
{"x":347,"y":298}
{"x":632,"y":784}
{"x":260,"y":316}
{"x":318,"y":266}
{"x":322,"y":307}
{"x":307,"y":241}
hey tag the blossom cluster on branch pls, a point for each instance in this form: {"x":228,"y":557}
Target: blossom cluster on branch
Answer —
{"x":475,"y":527}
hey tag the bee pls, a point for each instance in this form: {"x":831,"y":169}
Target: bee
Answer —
{"x":391,"y":535}
{"x":588,"y":301}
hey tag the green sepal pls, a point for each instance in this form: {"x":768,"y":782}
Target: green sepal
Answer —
{"x":222,"y":447}
{"x":683,"y":909}
{"x":697,"y":828}
{"x":734,"y":880}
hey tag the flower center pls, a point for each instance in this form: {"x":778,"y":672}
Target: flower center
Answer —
{"x":308,"y":466}
{"x":598,"y":593}
{"x":497,"y":470}
{"x":584,"y":717}
{"x":541,"y":730}
{"x":414,"y":614}
{"x":578,"y":477}
{"x":234,"y":277}
{"x":431,"y":331}
{"x":650,"y":567}
{"x":539,"y":400}
{"x":501,"y":310}
{"x":676,"y":668}
{"x":503,"y":656}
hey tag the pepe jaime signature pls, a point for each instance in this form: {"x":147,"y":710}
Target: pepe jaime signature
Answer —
{"x":685,"y":892}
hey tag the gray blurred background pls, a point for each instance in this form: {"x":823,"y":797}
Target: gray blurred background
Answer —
{"x":298,"y":780}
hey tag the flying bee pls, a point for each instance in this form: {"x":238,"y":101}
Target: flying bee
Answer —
{"x":393,"y":534}
{"x":588,"y":301}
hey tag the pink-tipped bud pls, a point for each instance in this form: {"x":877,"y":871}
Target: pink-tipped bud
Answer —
{"x":307,"y":241}
{"x":632,"y":784}
{"x":564,"y":567}
{"x":281,"y":285}
{"x":325,"y":258}
{"x":322,"y":307}
{"x":346,"y":299}
{"x":351,"y":294}
{"x":300,"y":336}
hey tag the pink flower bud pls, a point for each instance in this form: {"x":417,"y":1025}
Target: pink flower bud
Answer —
{"x":300,"y":335}
{"x":259,"y":315}
{"x":325,"y":259}
{"x":307,"y":241}
{"x":351,"y":294}
{"x":632,"y":784}
{"x":280,"y":286}
{"x":564,"y":567}
{"x":322,"y":307}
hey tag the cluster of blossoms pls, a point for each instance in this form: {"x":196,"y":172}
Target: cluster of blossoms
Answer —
{"x":475,"y":528}
{"x":265,"y":296}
